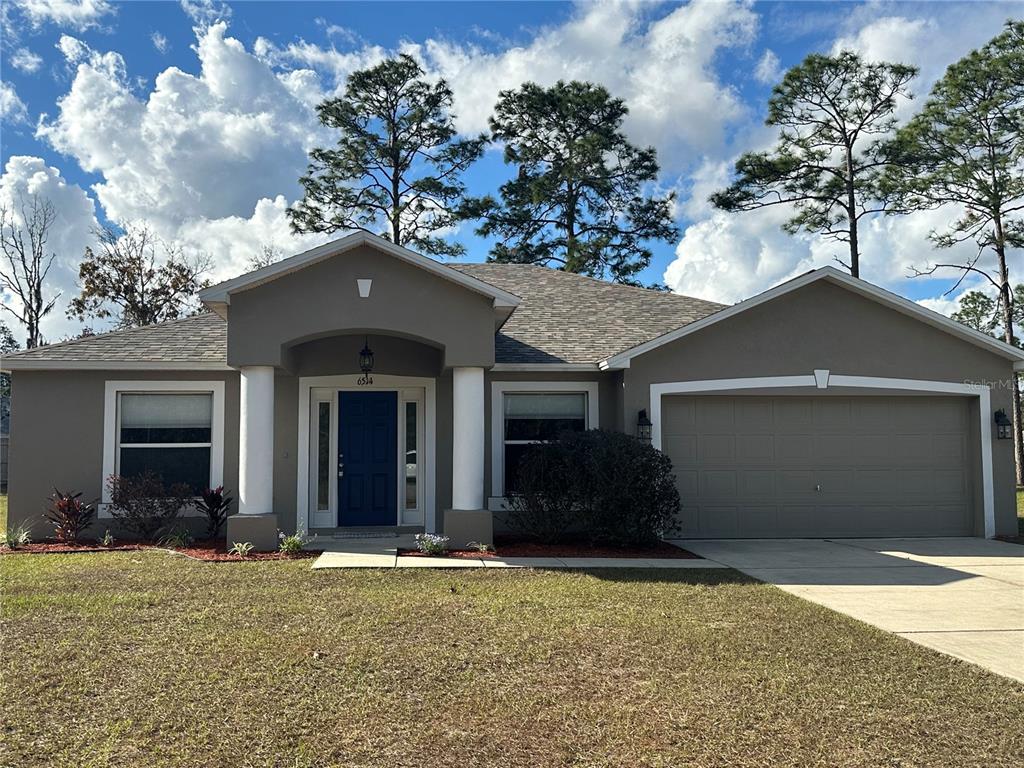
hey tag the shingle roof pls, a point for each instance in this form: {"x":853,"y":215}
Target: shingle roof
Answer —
{"x":568,"y":318}
{"x":563,"y":318}
{"x":201,"y":338}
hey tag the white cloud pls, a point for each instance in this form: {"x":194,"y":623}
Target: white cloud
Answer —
{"x":768,"y":69}
{"x":309,"y":56}
{"x":26,"y":61}
{"x":71,"y":233}
{"x":12,"y":108}
{"x":206,"y":145}
{"x":233,"y":240}
{"x":74,"y":14}
{"x":205,"y":13}
{"x":160,"y":42}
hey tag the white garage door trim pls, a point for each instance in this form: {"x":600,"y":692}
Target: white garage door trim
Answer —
{"x":822,"y":379}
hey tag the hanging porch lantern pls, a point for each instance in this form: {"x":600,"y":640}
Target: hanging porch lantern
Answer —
{"x":1004,"y":427}
{"x":643,"y":427}
{"x":365,"y":364}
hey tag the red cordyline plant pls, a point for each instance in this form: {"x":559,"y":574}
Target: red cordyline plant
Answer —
{"x":215,"y":504}
{"x":70,"y":515}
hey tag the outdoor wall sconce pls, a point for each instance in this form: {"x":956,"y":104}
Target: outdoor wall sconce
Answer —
{"x":643,"y":426}
{"x":365,"y":364}
{"x":1004,"y":427}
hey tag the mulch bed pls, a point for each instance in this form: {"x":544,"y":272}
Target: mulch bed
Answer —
{"x":206,"y":551}
{"x":508,"y":547}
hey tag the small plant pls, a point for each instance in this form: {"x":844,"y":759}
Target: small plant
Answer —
{"x":179,"y":538}
{"x":70,"y":515}
{"x":16,"y":537}
{"x":144,"y":505}
{"x":108,"y":539}
{"x":478,"y":546}
{"x":431,"y":543}
{"x":215,"y":503}
{"x":292,"y":545}
{"x":241,"y":548}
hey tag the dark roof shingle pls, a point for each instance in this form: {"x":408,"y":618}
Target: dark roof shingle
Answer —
{"x":202,"y":338}
{"x":568,"y":318}
{"x":563,"y":318}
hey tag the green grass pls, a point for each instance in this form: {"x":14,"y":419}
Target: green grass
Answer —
{"x":147,"y":659}
{"x":1020,"y":511}
{"x":3,"y":511}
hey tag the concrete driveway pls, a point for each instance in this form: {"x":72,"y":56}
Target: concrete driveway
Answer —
{"x":963,"y":597}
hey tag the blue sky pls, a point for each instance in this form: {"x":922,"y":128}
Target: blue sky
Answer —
{"x":195,"y":117}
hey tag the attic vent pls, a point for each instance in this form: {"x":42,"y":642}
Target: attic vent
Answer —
{"x":364,"y":284}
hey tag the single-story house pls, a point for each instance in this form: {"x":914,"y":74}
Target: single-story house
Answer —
{"x":360,"y":387}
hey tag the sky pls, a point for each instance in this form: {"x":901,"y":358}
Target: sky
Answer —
{"x":196,"y":117}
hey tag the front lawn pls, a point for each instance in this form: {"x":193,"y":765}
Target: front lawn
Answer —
{"x":149,"y":659}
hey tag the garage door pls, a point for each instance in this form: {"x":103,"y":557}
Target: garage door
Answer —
{"x":824,"y":466}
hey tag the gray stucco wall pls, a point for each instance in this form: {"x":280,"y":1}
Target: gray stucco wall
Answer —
{"x":323,"y":300}
{"x":57,"y":437}
{"x":825,"y":326}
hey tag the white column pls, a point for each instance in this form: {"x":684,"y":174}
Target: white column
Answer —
{"x":256,"y":441}
{"x":468,"y":438}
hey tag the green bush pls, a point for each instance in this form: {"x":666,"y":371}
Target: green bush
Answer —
{"x":143,"y":505}
{"x":608,"y":486}
{"x":546,"y":503}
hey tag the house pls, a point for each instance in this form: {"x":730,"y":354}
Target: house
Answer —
{"x":360,"y":387}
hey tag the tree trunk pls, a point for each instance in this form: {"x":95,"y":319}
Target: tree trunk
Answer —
{"x":851,"y":212}
{"x":1006,"y":301}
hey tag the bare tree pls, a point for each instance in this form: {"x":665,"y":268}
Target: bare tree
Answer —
{"x":23,"y":236}
{"x":268,"y":254}
{"x":126,"y":280}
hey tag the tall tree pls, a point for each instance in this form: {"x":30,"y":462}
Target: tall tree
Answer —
{"x":136,"y":279}
{"x":26,"y":262}
{"x":832,"y":112}
{"x":398,"y":164}
{"x":965,"y":151}
{"x":578,"y":199}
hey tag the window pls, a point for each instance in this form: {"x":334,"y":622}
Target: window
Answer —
{"x":174,"y":428}
{"x":323,"y":456}
{"x":532,"y":417}
{"x":410,"y":455}
{"x":169,"y":434}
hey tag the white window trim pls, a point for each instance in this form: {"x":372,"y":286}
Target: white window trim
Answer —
{"x":113,"y":389}
{"x":821,"y":377}
{"x":427,"y":416}
{"x":498,"y":391}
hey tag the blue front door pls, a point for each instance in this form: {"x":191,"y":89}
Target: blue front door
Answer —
{"x":367,"y":458}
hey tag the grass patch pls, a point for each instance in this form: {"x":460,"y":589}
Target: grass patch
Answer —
{"x":146,"y":659}
{"x":3,"y":511}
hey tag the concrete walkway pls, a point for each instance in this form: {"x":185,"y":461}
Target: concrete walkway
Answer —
{"x":383,"y":553}
{"x":963,"y":597}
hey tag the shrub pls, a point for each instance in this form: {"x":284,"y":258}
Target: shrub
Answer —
{"x":215,"y":504}
{"x":179,"y":538}
{"x":546,"y":505}
{"x":292,"y":545}
{"x":431,"y":543}
{"x":70,"y":515}
{"x":143,"y":505}
{"x":241,"y":548}
{"x":616,"y":489}
{"x":16,"y":537}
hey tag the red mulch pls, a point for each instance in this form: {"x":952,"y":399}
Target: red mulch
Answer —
{"x":468,"y":554}
{"x":525,"y":548}
{"x":508,"y":547}
{"x":207,"y":551}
